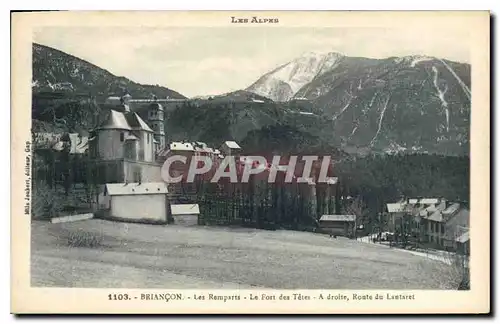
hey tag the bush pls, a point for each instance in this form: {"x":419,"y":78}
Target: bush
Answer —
{"x":84,"y":239}
{"x":45,"y":203}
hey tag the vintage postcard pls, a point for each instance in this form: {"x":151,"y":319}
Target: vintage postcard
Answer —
{"x":250,"y":162}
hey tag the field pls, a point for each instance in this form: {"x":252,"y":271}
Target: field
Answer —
{"x":102,"y":254}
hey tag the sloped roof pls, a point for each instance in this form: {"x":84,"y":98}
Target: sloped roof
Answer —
{"x":463,"y":238}
{"x":431,"y":208}
{"x":396,"y":207}
{"x":436,"y":216}
{"x":429,"y":201}
{"x":136,"y":122}
{"x":146,"y":188}
{"x":185,"y":209}
{"x":116,"y":120}
{"x":451,"y":209}
{"x":428,"y":204}
{"x":200,"y":144}
{"x":232,"y":144}
{"x":423,"y":201}
{"x":203,"y":149}
{"x":338,"y":218}
{"x":462,"y":218}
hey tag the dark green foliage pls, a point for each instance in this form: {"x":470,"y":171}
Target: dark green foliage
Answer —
{"x":68,"y":113}
{"x":208,"y":123}
{"x":45,"y":201}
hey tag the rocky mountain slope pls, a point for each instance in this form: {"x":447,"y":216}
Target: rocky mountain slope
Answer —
{"x":411,"y":104}
{"x":56,"y":71}
{"x":282,"y":83}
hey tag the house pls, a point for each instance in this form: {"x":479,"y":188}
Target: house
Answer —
{"x":342,"y":225}
{"x":185,"y":214}
{"x":463,"y":243}
{"x":134,"y":202}
{"x":431,"y":221}
{"x":185,"y":149}
{"x":230,"y":148}
{"x":456,"y":234}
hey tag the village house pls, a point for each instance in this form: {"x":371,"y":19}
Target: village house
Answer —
{"x":135,"y":202}
{"x":185,"y":149}
{"x":432,"y":221}
{"x":230,"y":148}
{"x":185,"y":214}
{"x":341,"y":225}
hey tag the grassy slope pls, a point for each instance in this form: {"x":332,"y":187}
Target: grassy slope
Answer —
{"x":148,"y":256}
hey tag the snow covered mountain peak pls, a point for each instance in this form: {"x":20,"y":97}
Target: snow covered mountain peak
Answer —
{"x":285,"y":81}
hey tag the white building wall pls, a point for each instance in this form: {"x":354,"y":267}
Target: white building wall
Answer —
{"x":148,"y":172}
{"x":146,"y":148}
{"x":110,"y":145}
{"x":139,"y":207}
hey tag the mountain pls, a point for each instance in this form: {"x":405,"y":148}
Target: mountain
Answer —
{"x":56,"y":71}
{"x":236,"y":96}
{"x":413,"y":104}
{"x":399,"y":104}
{"x":282,"y":83}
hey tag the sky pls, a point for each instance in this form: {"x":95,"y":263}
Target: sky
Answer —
{"x":214,"y":60}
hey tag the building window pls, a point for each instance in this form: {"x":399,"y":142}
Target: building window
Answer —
{"x":147,"y":135}
{"x":442,"y":229}
{"x":122,"y":137}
